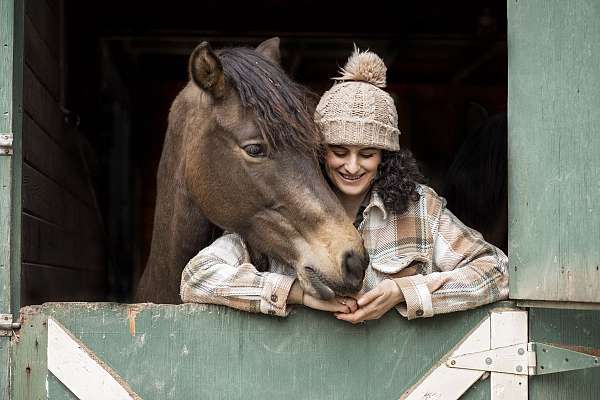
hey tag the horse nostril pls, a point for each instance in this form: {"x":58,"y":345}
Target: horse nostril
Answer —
{"x":354,"y":266}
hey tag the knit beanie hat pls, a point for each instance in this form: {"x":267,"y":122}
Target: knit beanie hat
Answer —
{"x":356,"y":111}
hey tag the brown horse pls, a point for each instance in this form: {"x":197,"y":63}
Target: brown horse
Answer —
{"x":241,"y":152}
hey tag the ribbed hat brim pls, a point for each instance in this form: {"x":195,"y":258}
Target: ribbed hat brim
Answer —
{"x":360,"y":133}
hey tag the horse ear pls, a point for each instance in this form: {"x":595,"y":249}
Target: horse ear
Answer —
{"x":270,"y":49}
{"x":476,"y":117}
{"x":206,"y":70}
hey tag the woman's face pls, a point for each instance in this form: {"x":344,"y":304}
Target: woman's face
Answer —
{"x":352,"y":169}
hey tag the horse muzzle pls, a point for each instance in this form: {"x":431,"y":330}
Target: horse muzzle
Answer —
{"x":353,"y":273}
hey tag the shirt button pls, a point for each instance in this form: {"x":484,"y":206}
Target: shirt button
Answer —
{"x":419,"y":313}
{"x":274,"y":298}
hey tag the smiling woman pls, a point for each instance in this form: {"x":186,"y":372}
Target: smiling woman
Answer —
{"x":352,"y":170}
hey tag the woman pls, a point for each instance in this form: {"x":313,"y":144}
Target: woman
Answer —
{"x":424,"y":261}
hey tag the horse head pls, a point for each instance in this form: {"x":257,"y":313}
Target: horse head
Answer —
{"x":251,"y":165}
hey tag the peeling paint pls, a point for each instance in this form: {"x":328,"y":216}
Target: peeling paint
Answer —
{"x":132,"y":312}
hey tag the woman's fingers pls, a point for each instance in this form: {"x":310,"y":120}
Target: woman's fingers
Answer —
{"x":356,"y":317}
{"x":374,"y":307}
{"x":368,"y":312}
{"x":349,"y":302}
{"x":368,"y":297}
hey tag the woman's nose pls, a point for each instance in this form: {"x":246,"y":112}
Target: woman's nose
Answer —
{"x":352,"y":166}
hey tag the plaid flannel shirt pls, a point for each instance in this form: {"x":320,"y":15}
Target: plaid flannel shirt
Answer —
{"x":456,"y":269}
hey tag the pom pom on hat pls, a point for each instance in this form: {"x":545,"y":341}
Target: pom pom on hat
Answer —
{"x":364,"y":66}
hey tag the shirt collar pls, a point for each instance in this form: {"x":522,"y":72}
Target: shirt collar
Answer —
{"x":375,"y":202}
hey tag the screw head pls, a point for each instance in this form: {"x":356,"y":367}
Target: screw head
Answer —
{"x":488,"y":361}
{"x":519,"y":368}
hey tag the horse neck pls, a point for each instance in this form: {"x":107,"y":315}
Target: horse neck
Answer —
{"x":180,"y":230}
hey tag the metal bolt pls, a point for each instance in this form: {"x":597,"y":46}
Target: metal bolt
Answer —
{"x":488,"y":361}
{"x":521,"y":352}
{"x":519,"y":368}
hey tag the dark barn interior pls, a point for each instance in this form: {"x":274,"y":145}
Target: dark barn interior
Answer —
{"x":100,"y":76}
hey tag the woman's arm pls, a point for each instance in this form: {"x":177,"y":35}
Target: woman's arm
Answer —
{"x":469,"y":273}
{"x":222,"y":274}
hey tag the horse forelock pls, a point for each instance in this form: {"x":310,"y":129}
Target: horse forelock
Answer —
{"x":283,"y":108}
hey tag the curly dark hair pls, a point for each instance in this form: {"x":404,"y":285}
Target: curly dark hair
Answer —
{"x":397,"y":178}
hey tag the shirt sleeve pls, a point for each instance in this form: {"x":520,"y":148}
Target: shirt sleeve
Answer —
{"x":468,"y":272}
{"x":221,"y":274}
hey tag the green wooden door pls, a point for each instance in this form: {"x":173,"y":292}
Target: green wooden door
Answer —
{"x":11,"y":54}
{"x":210,"y":352}
{"x":554,"y":171}
{"x":554,"y":141}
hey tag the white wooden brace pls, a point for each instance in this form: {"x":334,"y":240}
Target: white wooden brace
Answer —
{"x":71,"y":362}
{"x":494,"y":345}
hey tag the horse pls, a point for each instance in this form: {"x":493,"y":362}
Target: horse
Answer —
{"x":242,"y":154}
{"x":476,"y":182}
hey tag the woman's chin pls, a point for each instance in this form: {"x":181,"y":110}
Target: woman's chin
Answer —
{"x":351,"y":190}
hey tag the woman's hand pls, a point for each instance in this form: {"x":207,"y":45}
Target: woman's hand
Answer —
{"x":339,"y":305}
{"x":375,"y":303}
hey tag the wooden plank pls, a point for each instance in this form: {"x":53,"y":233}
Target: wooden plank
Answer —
{"x":11,"y":53}
{"x":46,"y":23}
{"x":568,"y":305}
{"x":4,"y":361}
{"x":41,"y":60}
{"x":44,"y":283}
{"x":7,"y":117}
{"x":29,"y":366}
{"x":80,"y":370}
{"x":554,"y":81}
{"x":5,"y":231}
{"x":209,"y":352}
{"x":445,"y":383}
{"x":43,"y":198}
{"x":47,"y":156}
{"x":45,"y":111}
{"x":55,"y":5}
{"x":17,"y":157}
{"x":570,"y":328}
{"x":509,"y":328}
{"x":44,"y":243}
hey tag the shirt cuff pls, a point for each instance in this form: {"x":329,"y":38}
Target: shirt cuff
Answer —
{"x":275,"y":292}
{"x":417,"y":297}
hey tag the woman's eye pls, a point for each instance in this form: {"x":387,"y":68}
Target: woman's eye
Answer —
{"x":367,"y":155}
{"x":339,"y":154}
{"x":255,"y":150}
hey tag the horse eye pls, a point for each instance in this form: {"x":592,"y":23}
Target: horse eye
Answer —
{"x":255,"y":150}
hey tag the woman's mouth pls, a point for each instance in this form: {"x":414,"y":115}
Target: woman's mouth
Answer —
{"x":350,"y":178}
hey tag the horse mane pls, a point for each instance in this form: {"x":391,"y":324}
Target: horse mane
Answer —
{"x":284,"y":109}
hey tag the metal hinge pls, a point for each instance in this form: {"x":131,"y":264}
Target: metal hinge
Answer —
{"x":7,"y":326}
{"x":527,"y":359}
{"x":6,"y":144}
